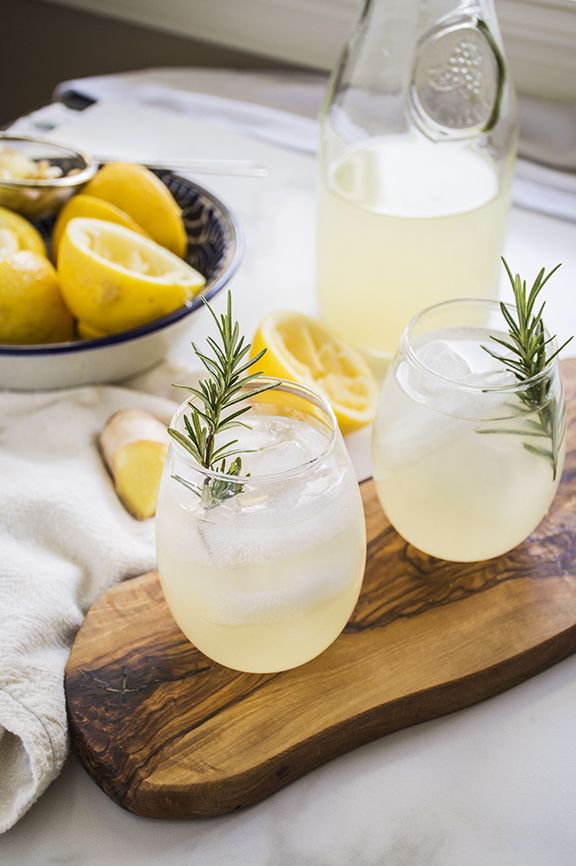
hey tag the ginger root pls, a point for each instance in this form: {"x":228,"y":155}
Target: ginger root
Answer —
{"x":134,"y":445}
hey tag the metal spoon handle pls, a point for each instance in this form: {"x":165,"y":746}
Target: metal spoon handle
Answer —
{"x":231,"y":167}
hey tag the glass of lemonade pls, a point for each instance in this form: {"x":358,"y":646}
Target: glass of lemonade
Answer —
{"x":466,"y":458}
{"x":264,"y":575}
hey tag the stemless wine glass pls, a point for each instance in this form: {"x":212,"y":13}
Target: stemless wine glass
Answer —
{"x":467,"y":459}
{"x":262,"y":571}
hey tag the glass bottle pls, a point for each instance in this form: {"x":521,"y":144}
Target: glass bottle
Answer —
{"x":418,"y":135}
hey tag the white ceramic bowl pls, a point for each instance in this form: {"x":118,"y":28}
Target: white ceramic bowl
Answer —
{"x":215,"y":248}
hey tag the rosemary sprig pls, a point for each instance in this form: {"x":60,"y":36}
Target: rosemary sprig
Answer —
{"x":216,"y":394}
{"x":528,"y":348}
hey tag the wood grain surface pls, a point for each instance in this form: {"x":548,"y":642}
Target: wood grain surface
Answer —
{"x":166,"y":732}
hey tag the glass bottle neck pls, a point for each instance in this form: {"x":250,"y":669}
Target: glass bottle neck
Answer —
{"x":424,"y":14}
{"x":433,"y":8}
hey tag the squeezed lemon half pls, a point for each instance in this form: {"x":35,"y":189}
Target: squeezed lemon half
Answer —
{"x":301,"y":350}
{"x":94,"y":208}
{"x":87,"y":332}
{"x":113,"y":279}
{"x":17,"y":234}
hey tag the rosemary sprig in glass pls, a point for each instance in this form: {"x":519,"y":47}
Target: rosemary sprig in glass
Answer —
{"x":224,"y":388}
{"x":528,"y":358}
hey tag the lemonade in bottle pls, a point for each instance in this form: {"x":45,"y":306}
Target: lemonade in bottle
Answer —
{"x":417,"y":151}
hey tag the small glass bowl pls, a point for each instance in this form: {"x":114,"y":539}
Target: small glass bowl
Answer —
{"x":61,"y":168}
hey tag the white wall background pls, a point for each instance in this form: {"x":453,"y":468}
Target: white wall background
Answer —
{"x":540,"y":35}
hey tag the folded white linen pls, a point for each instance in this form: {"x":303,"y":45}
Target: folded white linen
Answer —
{"x":539,"y":188}
{"x":290,"y":90}
{"x":64,"y":538}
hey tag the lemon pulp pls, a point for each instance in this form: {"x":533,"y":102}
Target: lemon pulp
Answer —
{"x":114,"y":279}
{"x":300,"y":349}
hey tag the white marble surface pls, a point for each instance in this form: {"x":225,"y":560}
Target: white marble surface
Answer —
{"x":492,"y":785}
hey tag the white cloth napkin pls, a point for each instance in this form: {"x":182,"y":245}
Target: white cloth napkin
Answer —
{"x":64,"y":538}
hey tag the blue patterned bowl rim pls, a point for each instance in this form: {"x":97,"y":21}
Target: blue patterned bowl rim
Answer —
{"x":232,"y":259}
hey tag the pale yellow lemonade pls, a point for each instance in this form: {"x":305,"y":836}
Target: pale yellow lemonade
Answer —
{"x":403,"y":225}
{"x":266,"y":580}
{"x":451,"y":467}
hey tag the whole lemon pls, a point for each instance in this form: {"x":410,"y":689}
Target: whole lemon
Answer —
{"x":31,"y":307}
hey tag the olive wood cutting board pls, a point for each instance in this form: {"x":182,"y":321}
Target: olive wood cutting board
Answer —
{"x":164,"y":731}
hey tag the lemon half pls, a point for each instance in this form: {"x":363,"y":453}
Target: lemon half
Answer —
{"x":94,"y":208}
{"x":16,"y":234}
{"x":300,"y":349}
{"x":113,"y":279}
{"x":139,"y":193}
{"x":87,"y":332}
